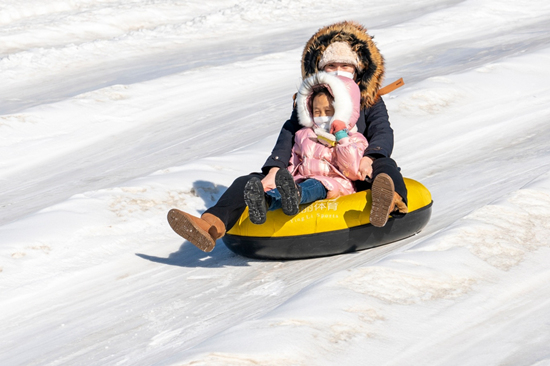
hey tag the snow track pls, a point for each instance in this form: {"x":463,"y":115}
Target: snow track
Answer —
{"x":113,"y":112}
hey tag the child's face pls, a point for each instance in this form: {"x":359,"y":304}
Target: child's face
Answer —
{"x":322,"y":106}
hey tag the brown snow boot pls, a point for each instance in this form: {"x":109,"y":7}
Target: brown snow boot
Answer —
{"x":399,"y":205}
{"x":385,"y":200}
{"x":217,"y":227}
{"x":383,"y":192}
{"x":201,"y":232}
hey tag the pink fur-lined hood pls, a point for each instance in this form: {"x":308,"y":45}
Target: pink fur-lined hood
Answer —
{"x":346,"y":94}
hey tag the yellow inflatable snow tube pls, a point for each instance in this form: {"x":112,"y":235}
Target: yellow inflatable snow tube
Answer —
{"x":327,"y":227}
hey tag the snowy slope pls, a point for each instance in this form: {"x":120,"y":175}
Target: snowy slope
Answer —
{"x":112,"y":112}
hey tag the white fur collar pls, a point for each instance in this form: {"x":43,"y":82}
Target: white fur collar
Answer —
{"x":343,"y":105}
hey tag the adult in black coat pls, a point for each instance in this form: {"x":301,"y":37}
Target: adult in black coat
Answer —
{"x":343,"y":48}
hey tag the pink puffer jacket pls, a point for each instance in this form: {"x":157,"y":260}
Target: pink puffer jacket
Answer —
{"x":336,"y":167}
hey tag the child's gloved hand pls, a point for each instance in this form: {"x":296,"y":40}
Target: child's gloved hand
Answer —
{"x":337,"y":126}
{"x":338,"y":129}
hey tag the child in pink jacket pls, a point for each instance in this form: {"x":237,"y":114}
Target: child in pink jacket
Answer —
{"x":326,"y":152}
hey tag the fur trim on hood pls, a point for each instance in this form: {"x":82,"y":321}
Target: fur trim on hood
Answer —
{"x":371,"y":63}
{"x":346,"y":96}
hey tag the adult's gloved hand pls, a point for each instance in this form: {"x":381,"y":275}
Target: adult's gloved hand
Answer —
{"x":365,"y":167}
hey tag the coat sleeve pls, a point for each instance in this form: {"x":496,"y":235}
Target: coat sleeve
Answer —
{"x":348,"y":153}
{"x":296,"y":156}
{"x":378,"y":131}
{"x":280,"y":155}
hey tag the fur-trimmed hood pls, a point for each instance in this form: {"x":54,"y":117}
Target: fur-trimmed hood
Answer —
{"x":346,"y":96}
{"x":371,"y":63}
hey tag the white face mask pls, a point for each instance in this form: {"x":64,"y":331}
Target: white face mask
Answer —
{"x":323,"y":122}
{"x":349,"y":75}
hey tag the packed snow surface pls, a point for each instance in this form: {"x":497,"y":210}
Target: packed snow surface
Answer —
{"x":112,"y":112}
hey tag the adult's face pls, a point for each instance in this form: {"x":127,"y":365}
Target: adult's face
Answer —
{"x":339,"y":66}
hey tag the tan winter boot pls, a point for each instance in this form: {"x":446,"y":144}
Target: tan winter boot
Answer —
{"x":399,"y":205}
{"x":201,"y":232}
{"x":383,"y":192}
{"x":217,"y":228}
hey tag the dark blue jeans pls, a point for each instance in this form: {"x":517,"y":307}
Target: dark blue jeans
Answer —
{"x":311,"y":189}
